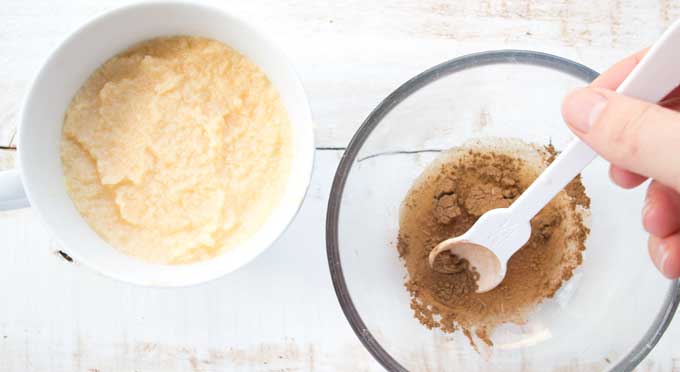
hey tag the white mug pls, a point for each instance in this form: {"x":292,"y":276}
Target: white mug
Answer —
{"x":38,"y":180}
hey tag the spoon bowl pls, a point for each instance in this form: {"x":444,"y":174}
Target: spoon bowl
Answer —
{"x":488,"y":245}
{"x":484,"y":261}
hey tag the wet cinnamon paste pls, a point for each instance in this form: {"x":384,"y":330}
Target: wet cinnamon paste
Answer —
{"x":450,"y":195}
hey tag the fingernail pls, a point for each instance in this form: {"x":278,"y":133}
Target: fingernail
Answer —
{"x":582,"y":108}
{"x":645,"y":209}
{"x":657,"y":253}
{"x":665,"y":253}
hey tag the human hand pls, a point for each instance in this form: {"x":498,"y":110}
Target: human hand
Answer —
{"x":641,"y":140}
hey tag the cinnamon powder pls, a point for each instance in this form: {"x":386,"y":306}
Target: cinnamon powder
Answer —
{"x":447,"y":199}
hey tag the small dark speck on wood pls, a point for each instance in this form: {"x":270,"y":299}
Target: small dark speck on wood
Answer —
{"x":65,"y":256}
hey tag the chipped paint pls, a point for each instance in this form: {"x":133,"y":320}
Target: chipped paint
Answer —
{"x":669,"y":10}
{"x":565,"y":32}
{"x":288,"y":355}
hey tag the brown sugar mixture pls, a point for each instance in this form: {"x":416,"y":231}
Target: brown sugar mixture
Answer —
{"x":450,"y":195}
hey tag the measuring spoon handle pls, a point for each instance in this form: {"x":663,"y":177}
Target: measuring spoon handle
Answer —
{"x":652,"y":79}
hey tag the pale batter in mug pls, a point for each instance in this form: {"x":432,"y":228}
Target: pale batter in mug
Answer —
{"x":176,"y":150}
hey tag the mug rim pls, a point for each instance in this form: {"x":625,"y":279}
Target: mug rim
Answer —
{"x":289,"y":209}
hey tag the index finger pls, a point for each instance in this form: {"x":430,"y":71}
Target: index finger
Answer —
{"x":611,"y":79}
{"x":614,"y":76}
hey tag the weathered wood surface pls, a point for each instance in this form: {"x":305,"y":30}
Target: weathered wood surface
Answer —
{"x":56,"y":315}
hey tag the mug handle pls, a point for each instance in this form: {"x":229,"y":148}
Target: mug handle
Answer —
{"x":12,"y":195}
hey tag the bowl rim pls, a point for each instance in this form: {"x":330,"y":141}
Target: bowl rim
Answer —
{"x":506,"y":56}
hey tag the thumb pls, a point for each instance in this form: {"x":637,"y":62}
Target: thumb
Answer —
{"x":632,"y":134}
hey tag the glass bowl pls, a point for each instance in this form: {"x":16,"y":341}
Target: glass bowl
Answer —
{"x":608,"y":316}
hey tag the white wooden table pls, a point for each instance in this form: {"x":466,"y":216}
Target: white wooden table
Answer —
{"x":59,"y":316}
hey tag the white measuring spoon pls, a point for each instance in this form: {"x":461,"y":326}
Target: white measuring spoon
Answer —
{"x":499,"y":233}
